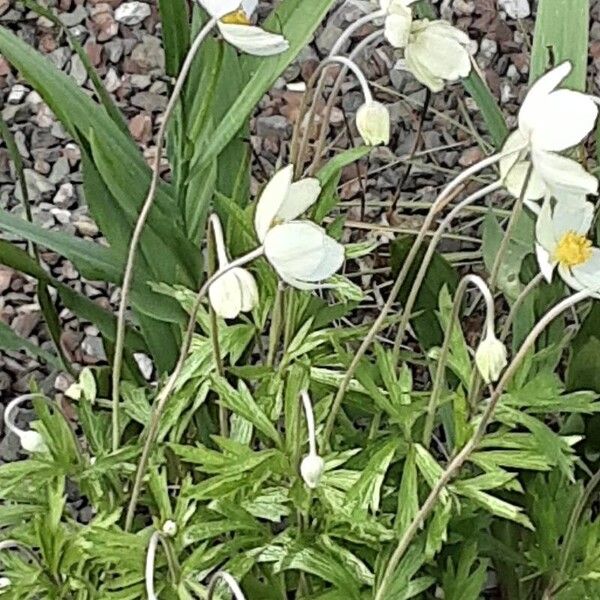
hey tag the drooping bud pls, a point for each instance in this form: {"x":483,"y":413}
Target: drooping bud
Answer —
{"x":311,"y":469}
{"x":373,"y":123}
{"x":4,"y":582}
{"x":32,"y":441}
{"x":491,"y":357}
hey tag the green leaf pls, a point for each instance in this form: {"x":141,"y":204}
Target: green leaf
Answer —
{"x":408,"y":497}
{"x":11,"y":342}
{"x":439,"y":274}
{"x":297,"y":20}
{"x":561,"y":33}
{"x":175,"y":33}
{"x":241,"y":402}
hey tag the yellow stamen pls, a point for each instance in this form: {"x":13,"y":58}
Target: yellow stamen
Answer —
{"x":237,"y":17}
{"x":573,"y":249}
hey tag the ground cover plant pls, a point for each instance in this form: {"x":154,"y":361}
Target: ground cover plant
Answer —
{"x":290,"y":441}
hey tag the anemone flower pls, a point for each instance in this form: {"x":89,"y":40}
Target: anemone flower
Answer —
{"x":300,"y":251}
{"x":551,"y":120}
{"x":562,"y":243}
{"x":236,"y":28}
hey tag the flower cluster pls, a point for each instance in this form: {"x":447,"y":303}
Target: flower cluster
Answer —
{"x":552,"y":120}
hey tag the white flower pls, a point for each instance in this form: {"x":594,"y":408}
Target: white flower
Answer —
{"x":301,"y":252}
{"x":311,"y":469}
{"x":437,"y":52}
{"x":4,"y":582}
{"x":550,"y":120}
{"x":490,"y":357}
{"x":235,"y":27}
{"x":373,"y":123}
{"x":562,"y":243}
{"x":398,"y":21}
{"x":235,"y":291}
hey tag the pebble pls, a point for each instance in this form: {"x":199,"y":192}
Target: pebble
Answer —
{"x":17,"y":93}
{"x":132,"y":13}
{"x":515,"y":9}
{"x":74,"y":18}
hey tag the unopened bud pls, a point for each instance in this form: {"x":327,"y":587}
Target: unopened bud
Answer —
{"x":490,"y":358}
{"x":169,"y":528}
{"x":4,"y":582}
{"x":32,"y":441}
{"x":311,"y":469}
{"x":373,"y":123}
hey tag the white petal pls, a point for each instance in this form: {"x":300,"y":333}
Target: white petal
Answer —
{"x":544,"y":228}
{"x":442,"y":51}
{"x":225,"y":296}
{"x":588,"y":274}
{"x":572,"y":216}
{"x":331,"y":263}
{"x":397,"y":26}
{"x":413,"y":63}
{"x":513,"y":142}
{"x":248,"y":288}
{"x":271,"y":200}
{"x":295,"y":248}
{"x":515,"y":180}
{"x":296,"y":283}
{"x":249,"y":6}
{"x":220,"y":8}
{"x":538,"y":93}
{"x":546,"y":265}
{"x":563,"y":175}
{"x":572,"y":116}
{"x":302,"y":195}
{"x":253,"y":40}
{"x":373,"y":123}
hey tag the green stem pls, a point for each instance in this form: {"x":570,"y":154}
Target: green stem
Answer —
{"x":458,"y":461}
{"x":276,"y":322}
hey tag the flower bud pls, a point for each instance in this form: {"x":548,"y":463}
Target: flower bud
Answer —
{"x":490,"y":358}
{"x":311,"y":469}
{"x":169,"y":528}
{"x":4,"y":582}
{"x":32,"y":441}
{"x":373,"y":123}
{"x":232,"y":293}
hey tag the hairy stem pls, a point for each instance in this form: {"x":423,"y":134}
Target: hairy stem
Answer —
{"x":139,"y":227}
{"x":458,"y":461}
{"x":231,"y":583}
{"x":165,"y":393}
{"x":514,"y":309}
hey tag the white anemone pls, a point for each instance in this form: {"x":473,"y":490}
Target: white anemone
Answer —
{"x":235,"y":27}
{"x":373,"y":123}
{"x":301,"y":252}
{"x":562,"y":243}
{"x":550,"y":120}
{"x":398,"y":21}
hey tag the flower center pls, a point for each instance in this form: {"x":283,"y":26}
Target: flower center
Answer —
{"x":237,"y":17}
{"x":573,"y":249}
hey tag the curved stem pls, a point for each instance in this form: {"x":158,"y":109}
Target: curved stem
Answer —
{"x":352,"y":66}
{"x":421,"y":274}
{"x":310,"y":422}
{"x":457,"y":462}
{"x":163,"y":396}
{"x":227,"y":579}
{"x":157,"y":537}
{"x":355,"y":27}
{"x":439,"y":379}
{"x":439,"y":203}
{"x":514,"y":309}
{"x":139,"y":227}
{"x":10,"y":425}
{"x":331,"y":101}
{"x":219,"y":239}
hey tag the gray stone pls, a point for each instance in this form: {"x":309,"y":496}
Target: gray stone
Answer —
{"x":516,"y":9}
{"x":65,"y":195}
{"x":17,"y":93}
{"x":149,"y":54}
{"x":149,"y":101}
{"x":274,"y":126}
{"x":132,"y":13}
{"x":60,"y":56}
{"x":114,"y":50}
{"x":74,"y":18}
{"x":77,"y":71}
{"x":60,"y":170}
